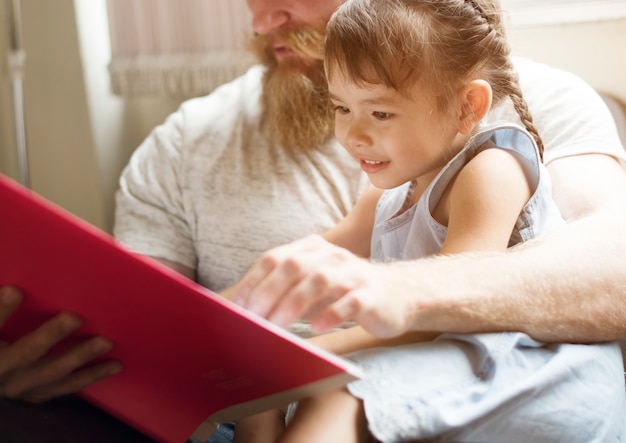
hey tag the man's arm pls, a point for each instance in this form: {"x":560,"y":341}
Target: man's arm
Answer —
{"x":584,"y":299}
{"x":566,"y":286}
{"x":569,"y":285}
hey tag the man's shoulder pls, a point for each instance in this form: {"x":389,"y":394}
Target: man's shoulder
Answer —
{"x":534,"y":74}
{"x":240,"y":93}
{"x":224,"y":108}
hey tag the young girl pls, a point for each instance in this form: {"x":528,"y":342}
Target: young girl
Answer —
{"x":410,"y":82}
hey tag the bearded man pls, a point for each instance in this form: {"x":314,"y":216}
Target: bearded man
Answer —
{"x":250,"y":166}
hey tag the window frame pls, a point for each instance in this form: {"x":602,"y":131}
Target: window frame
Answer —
{"x":533,"y":13}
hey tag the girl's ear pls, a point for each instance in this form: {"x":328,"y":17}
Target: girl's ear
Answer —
{"x":475,"y":104}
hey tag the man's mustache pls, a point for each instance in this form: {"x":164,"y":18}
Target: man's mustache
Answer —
{"x":306,"y":42}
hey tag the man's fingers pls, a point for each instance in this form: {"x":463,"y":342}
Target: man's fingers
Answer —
{"x":73,"y":383}
{"x":313,"y":293}
{"x":10,"y":299}
{"x":33,"y":346}
{"x":341,"y":311}
{"x":272,"y":278}
{"x":28,"y":372}
{"x":58,"y":375}
{"x":59,"y":366}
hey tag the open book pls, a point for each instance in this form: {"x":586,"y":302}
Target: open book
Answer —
{"x":190,"y":356}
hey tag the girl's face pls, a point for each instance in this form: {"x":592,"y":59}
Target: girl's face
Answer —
{"x":396,"y":138}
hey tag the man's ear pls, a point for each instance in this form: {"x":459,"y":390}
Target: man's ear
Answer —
{"x":475,"y":102}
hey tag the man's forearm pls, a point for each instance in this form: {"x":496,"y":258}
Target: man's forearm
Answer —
{"x":567,"y":286}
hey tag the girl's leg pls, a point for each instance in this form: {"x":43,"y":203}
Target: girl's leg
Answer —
{"x":335,"y":417}
{"x":264,"y":427}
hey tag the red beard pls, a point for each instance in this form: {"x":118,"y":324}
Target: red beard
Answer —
{"x":296,"y":110}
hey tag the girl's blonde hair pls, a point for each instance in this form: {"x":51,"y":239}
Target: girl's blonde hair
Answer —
{"x":440,"y":43}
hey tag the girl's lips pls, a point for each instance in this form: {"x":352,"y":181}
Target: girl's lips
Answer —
{"x":372,"y":166}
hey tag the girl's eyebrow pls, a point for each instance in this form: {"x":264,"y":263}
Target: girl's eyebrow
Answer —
{"x":376,"y":100}
{"x":333,"y":96}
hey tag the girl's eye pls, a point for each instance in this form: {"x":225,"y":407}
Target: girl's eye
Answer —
{"x":382,"y":115}
{"x":342,"y":109}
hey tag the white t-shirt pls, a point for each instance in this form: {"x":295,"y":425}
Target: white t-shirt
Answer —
{"x":569,"y":114}
{"x":206,"y":190}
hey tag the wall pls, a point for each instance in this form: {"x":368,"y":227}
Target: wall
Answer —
{"x":8,"y":160}
{"x":80,"y":135}
{"x":62,"y":161}
{"x":592,"y":50}
{"x":119,"y":125}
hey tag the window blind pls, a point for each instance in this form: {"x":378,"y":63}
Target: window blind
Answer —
{"x":179,"y":48}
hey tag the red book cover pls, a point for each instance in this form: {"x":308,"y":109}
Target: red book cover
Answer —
{"x":189,"y":356}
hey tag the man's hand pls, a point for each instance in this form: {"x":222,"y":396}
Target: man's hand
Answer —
{"x":314,"y":279}
{"x":27,"y":373}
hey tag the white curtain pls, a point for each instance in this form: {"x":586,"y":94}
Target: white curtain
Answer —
{"x":179,"y":48}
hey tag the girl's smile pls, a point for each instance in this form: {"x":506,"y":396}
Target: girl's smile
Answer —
{"x":395,"y":137}
{"x":373,"y":166}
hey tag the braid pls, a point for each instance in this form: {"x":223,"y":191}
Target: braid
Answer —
{"x":507,"y":83}
{"x":490,"y":15}
{"x":474,"y":4}
{"x":521,"y":107}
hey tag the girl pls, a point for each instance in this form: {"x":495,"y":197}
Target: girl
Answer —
{"x":411,"y":82}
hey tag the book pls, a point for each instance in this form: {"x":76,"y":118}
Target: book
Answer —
{"x":191,"y":358}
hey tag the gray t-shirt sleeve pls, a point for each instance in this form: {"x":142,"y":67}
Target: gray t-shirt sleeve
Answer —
{"x":150,"y":216}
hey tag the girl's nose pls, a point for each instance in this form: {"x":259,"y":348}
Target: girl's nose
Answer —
{"x":355,"y":135}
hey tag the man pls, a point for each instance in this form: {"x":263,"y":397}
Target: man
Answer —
{"x":254,"y":166}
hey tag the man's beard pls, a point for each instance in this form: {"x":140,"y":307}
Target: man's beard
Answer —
{"x":296,"y":109}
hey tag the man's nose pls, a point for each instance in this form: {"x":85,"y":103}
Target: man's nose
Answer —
{"x":268,"y":15}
